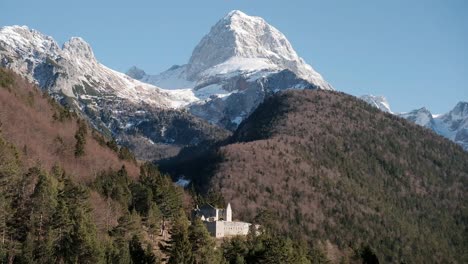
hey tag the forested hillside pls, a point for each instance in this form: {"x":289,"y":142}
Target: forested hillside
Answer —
{"x":330,"y":169}
{"x":45,"y":133}
{"x":327,"y":176}
{"x":70,"y":195}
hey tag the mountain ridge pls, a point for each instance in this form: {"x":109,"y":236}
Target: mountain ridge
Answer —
{"x":452,"y":125}
{"x":112,"y":101}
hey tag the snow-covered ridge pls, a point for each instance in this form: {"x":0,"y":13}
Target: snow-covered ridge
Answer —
{"x":33,"y":54}
{"x":422,"y":117}
{"x":379,"y":102}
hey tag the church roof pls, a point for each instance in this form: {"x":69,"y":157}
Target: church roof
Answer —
{"x":209,"y":206}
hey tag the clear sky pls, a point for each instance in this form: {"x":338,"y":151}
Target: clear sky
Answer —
{"x":414,"y":52}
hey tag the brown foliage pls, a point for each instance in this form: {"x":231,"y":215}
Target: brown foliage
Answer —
{"x":29,"y":120}
{"x":330,"y":167}
{"x":106,"y":212}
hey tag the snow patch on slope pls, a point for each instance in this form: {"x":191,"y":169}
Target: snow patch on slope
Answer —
{"x":174,"y":78}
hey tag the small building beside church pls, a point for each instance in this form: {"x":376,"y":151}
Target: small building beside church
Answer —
{"x":218,"y":221}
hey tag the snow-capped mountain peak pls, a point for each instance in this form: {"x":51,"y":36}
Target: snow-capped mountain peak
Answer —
{"x":77,"y":47}
{"x":234,"y":13}
{"x":379,"y":102}
{"x":234,"y":67}
{"x":26,"y":41}
{"x":459,"y":112}
{"x":421,"y":116}
{"x":246,"y":43}
{"x":452,"y":125}
{"x":73,"y":72}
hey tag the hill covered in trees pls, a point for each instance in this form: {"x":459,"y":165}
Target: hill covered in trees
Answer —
{"x":328,"y":168}
{"x":70,"y":195}
{"x":328,"y":177}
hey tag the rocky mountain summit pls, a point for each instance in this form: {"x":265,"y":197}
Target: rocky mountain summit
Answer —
{"x":235,"y":66}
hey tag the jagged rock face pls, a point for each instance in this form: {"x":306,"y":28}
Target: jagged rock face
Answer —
{"x":241,"y":36}
{"x":457,"y":116}
{"x":77,"y":48}
{"x":107,"y":98}
{"x":229,"y":69}
{"x":245,"y":94}
{"x":27,"y":51}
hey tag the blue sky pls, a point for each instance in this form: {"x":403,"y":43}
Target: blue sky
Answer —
{"x":413,"y":52}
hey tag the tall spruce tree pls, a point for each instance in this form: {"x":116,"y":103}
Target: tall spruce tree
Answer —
{"x":181,"y":246}
{"x":203,"y":245}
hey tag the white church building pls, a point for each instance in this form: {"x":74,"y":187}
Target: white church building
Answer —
{"x":219,"y":222}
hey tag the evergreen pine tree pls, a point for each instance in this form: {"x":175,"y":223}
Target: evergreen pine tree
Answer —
{"x":235,"y":250}
{"x":181,"y":247}
{"x":80,"y":137}
{"x":203,"y":245}
{"x":83,"y":235}
{"x":153,"y":220}
{"x":139,"y":254}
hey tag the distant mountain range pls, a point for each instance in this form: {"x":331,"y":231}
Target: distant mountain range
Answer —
{"x":235,"y":66}
{"x":239,"y":63}
{"x":452,"y":125}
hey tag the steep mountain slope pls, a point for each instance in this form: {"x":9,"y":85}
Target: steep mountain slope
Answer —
{"x":113,"y":102}
{"x":329,"y":167}
{"x":68,"y":195}
{"x":235,"y":66}
{"x":45,"y":133}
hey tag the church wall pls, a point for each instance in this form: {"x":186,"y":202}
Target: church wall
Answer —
{"x":236,"y":228}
